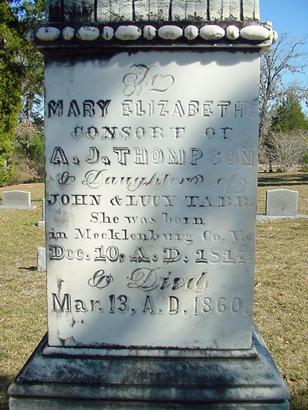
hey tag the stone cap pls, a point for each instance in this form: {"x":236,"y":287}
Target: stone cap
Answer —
{"x":149,"y":23}
{"x":107,"y":11}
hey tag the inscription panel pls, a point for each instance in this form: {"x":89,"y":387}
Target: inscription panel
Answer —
{"x":150,"y":199}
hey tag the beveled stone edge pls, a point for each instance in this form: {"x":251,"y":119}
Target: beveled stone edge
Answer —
{"x":223,"y":34}
{"x":273,"y":390}
{"x":142,"y":352}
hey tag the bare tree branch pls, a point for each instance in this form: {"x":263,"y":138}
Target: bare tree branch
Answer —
{"x":284,"y":57}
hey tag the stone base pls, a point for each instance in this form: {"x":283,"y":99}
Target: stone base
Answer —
{"x":269,"y":218}
{"x":18,"y":208}
{"x":54,"y":382}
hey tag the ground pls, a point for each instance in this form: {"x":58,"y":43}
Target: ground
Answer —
{"x":280,"y":286}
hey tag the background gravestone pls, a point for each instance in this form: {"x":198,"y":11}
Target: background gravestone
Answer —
{"x":41,"y":223}
{"x":150,"y":209}
{"x":16,"y":199}
{"x":41,"y":259}
{"x":281,"y":202}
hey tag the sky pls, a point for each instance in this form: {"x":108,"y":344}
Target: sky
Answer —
{"x":287,"y":16}
{"x":290,"y":16}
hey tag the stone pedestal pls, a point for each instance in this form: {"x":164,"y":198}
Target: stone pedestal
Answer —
{"x":155,"y":379}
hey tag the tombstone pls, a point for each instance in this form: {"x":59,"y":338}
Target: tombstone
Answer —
{"x":151,"y":124}
{"x":281,"y":202}
{"x":41,"y":259}
{"x":41,"y":224}
{"x":16,"y":200}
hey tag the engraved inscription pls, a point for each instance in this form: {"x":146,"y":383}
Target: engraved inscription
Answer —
{"x":150,"y":197}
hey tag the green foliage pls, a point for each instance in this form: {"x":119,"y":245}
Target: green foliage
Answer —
{"x":10,"y":87}
{"x":21,"y":75}
{"x":36,"y":148}
{"x":29,"y":152}
{"x":289,"y":116}
{"x":36,"y":152}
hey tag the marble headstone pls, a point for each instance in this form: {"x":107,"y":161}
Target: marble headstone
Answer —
{"x":16,"y":199}
{"x":41,"y":223}
{"x":151,"y":125}
{"x":150,"y":208}
{"x":281,"y":202}
{"x":41,"y":259}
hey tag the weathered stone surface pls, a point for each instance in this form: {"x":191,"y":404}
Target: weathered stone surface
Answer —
{"x":57,"y":383}
{"x":183,"y":10}
{"x":215,"y":10}
{"x":41,"y":259}
{"x":235,"y":10}
{"x":16,"y":199}
{"x":154,"y":10}
{"x":88,"y":33}
{"x":48,"y":33}
{"x":149,"y":32}
{"x":212,"y":32}
{"x":79,"y":10}
{"x":200,"y":10}
{"x":128,"y":33}
{"x":108,"y":33}
{"x":54,"y":10}
{"x":281,"y":202}
{"x":68,"y":33}
{"x":170,"y":32}
{"x":151,"y":205}
{"x":41,"y":223}
{"x":251,"y":10}
{"x":257,"y":33}
{"x":151,"y":199}
{"x":191,"y":32}
{"x":232,"y":32}
{"x":114,"y":10}
{"x":43,"y":209}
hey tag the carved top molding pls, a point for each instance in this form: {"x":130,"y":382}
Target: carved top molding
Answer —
{"x":224,"y":35}
{"x":150,"y":24}
{"x":107,"y":11}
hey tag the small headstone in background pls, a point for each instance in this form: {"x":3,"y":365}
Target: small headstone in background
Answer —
{"x":16,"y":199}
{"x":41,"y":259}
{"x":41,"y":223}
{"x":281,"y":202}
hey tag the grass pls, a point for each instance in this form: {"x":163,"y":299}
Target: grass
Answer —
{"x":295,"y":182}
{"x":280,"y":287}
{"x":22,"y":288}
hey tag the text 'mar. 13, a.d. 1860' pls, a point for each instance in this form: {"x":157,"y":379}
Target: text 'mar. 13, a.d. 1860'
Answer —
{"x":151,"y":200}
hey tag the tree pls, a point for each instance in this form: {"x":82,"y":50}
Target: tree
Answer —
{"x":284,"y":57}
{"x":288,"y":148}
{"x":289,"y":115}
{"x":28,"y":14}
{"x":10,"y":87}
{"x":287,"y":137}
{"x":25,"y":134}
{"x":21,"y":75}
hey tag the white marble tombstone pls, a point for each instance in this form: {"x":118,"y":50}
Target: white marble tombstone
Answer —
{"x":151,"y":159}
{"x":16,"y":199}
{"x":41,"y":223}
{"x":151,"y":198}
{"x":281,"y":202}
{"x":41,"y":259}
